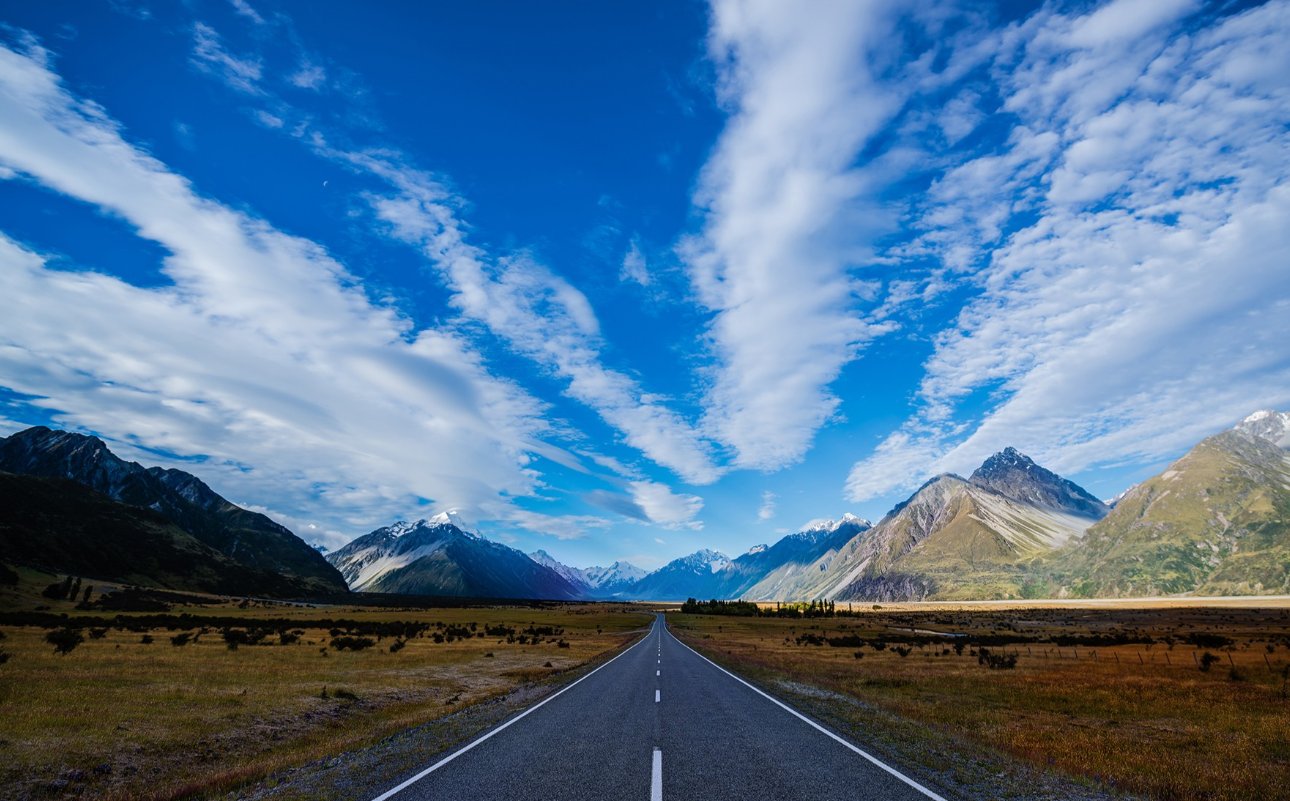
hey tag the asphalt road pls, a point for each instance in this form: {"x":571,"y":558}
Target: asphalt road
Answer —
{"x":658,"y":722}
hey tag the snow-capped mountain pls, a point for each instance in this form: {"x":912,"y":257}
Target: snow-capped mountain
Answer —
{"x":1269,"y":425}
{"x":701,"y":574}
{"x":436,"y":557}
{"x":453,"y":518}
{"x":616,"y":578}
{"x":756,"y":574}
{"x":830,"y":525}
{"x":596,"y":581}
{"x":808,"y":552}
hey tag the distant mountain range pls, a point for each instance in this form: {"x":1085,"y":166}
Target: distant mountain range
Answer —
{"x":594,"y":582}
{"x":1216,"y":522}
{"x":69,"y":504}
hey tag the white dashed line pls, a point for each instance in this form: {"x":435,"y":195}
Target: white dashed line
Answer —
{"x":658,"y":694}
{"x":656,"y":778}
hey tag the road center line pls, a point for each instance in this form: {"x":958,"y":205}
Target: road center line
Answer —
{"x":658,"y":694}
{"x":658,"y":673}
{"x":656,"y":777}
{"x":400,"y":788}
{"x":790,"y":710}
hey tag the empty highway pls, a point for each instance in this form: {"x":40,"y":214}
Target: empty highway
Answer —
{"x":656,"y":722}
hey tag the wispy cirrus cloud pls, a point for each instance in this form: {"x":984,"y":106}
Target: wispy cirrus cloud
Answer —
{"x":265,"y":359}
{"x":1133,"y":295}
{"x":519,"y":300}
{"x":242,"y":73}
{"x":767,"y":509}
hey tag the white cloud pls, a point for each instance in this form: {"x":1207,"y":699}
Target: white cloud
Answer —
{"x":269,"y":120}
{"x":308,"y":76}
{"x":245,"y":9}
{"x":264,"y":358}
{"x":667,"y":508}
{"x":767,"y":509}
{"x":634,"y":267}
{"x":522,"y":302}
{"x":1145,"y":302}
{"x":237,"y":72}
{"x":787,"y":217}
{"x":563,"y":527}
{"x":538,"y":313}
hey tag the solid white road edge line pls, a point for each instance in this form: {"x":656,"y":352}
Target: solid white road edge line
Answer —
{"x":878,"y":762}
{"x":656,"y":777}
{"x":405,"y":785}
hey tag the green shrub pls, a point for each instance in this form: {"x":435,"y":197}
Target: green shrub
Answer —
{"x":64,"y":640}
{"x":235,"y":637}
{"x":352,"y":643}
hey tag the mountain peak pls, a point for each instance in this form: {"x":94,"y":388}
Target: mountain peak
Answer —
{"x":830,"y":525}
{"x":705,"y":559}
{"x":1007,"y":459}
{"x":452,"y":517}
{"x":1268,"y":424}
{"x":1016,"y":476}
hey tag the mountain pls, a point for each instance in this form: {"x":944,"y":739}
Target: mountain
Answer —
{"x":65,"y":527}
{"x":808,"y":552}
{"x":1216,"y":522}
{"x":1014,"y":476}
{"x":615,"y":580}
{"x":436,"y":557}
{"x":593,"y":582}
{"x":246,"y":538}
{"x":957,"y":538}
{"x":755,"y":575}
{"x":702,"y":574}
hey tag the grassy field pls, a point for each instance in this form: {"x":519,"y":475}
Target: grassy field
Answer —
{"x":122,"y":717}
{"x":1111,"y":694}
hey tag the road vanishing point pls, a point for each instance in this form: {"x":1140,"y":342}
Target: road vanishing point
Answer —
{"x":659,"y":721}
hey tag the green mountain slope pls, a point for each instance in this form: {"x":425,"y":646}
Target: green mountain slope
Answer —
{"x":1217,"y":522}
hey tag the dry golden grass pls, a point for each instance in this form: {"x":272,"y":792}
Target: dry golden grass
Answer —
{"x":1140,"y":718}
{"x":120,"y":719}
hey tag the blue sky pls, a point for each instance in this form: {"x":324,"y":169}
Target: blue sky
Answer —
{"x":623,"y":282}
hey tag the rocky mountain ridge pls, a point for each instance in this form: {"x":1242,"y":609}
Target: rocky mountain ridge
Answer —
{"x":241,"y":536}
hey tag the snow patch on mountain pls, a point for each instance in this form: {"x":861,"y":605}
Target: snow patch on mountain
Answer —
{"x":595,"y":580}
{"x":831,"y":525}
{"x":1268,"y":424}
{"x":452,"y":518}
